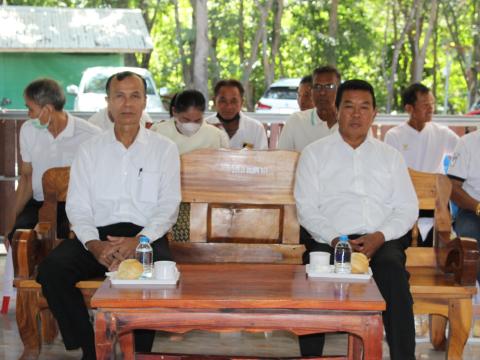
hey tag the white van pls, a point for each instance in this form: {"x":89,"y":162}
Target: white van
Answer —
{"x":280,"y":97}
{"x":90,"y":94}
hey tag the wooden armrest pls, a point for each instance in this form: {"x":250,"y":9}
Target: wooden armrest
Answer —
{"x":460,"y":257}
{"x":30,"y":246}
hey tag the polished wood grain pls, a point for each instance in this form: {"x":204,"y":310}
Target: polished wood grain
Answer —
{"x":232,"y":297}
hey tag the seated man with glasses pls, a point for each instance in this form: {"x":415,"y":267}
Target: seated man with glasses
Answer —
{"x":304,"y":127}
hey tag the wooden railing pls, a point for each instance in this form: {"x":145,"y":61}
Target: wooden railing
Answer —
{"x":11,"y":121}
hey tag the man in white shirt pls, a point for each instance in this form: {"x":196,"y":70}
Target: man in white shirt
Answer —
{"x":464,"y":172}
{"x":104,"y":120}
{"x":124,"y":183}
{"x":304,"y":127}
{"x":304,"y":93}
{"x":352,"y":184}
{"x":50,"y":139}
{"x":243,"y":131}
{"x":423,"y":143}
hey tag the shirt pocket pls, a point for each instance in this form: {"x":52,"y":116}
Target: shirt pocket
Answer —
{"x":380,"y":185}
{"x":149,"y":186}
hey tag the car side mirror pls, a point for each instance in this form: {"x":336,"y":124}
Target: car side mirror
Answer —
{"x":72,"y":89}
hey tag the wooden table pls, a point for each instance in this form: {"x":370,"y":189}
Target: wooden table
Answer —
{"x":233,"y":297}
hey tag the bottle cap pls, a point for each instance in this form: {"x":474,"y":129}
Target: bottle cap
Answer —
{"x":143,"y":239}
{"x":343,"y":238}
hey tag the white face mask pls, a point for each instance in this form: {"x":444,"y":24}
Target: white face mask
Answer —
{"x":187,"y":129}
{"x":38,"y":124}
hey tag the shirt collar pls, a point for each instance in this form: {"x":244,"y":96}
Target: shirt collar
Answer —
{"x":141,"y":135}
{"x":368,"y":140}
{"x":69,"y":128}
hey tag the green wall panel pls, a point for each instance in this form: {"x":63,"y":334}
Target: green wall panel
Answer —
{"x":17,"y":70}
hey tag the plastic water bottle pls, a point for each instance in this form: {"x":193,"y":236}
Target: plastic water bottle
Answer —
{"x":144,"y":254}
{"x":343,"y":253}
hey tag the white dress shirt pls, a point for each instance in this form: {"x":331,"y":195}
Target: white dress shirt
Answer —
{"x":465,"y":163}
{"x":423,"y":150}
{"x":102,"y":120}
{"x":43,"y":151}
{"x":111,"y":184}
{"x":250,"y":133}
{"x":303,"y":128}
{"x":340,"y":190}
{"x":207,"y":137}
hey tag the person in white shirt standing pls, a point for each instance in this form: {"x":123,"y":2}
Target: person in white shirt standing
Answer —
{"x":50,"y":139}
{"x":104,"y":120}
{"x":423,"y":143}
{"x":124,"y":183}
{"x":304,"y":127}
{"x":243,"y":131}
{"x":350,"y":183}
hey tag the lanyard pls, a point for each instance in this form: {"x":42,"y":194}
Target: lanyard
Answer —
{"x":312,"y":117}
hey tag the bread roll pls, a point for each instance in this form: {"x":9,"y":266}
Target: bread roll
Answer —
{"x":359,"y":263}
{"x":129,"y":269}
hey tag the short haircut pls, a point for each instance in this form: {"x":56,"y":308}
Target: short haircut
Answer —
{"x":123,"y":75}
{"x":327,"y":69}
{"x":172,"y":104}
{"x":409,"y":95}
{"x":187,"y":99}
{"x":354,"y":84}
{"x":308,"y":79}
{"x":228,"y":82}
{"x":45,"y":92}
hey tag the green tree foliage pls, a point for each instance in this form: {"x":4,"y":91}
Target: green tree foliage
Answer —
{"x":364,"y":44}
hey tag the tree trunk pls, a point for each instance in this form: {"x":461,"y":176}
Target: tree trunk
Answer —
{"x":421,"y":52}
{"x":183,"y":57}
{"x":396,"y":52}
{"x":241,"y":34}
{"x":269,"y":61}
{"x":475,"y":68}
{"x":330,"y":48}
{"x":247,"y":70}
{"x":200,"y":68}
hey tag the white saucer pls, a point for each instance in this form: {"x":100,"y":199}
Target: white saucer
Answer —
{"x":333,"y":275}
{"x":152,"y":281}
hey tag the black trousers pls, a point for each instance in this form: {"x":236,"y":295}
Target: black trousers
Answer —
{"x":69,"y":263}
{"x":388,"y":268}
{"x":28,"y":218}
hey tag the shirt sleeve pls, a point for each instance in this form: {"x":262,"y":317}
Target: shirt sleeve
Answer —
{"x":404,"y":202}
{"x":391,"y":140}
{"x":460,"y":160}
{"x":306,"y":192}
{"x":166,"y":212}
{"x":25,"y":149}
{"x":451,"y":141}
{"x":79,"y":205}
{"x":285,"y":142}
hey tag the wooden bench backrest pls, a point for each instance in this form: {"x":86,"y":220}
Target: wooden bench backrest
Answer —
{"x":433,"y":192}
{"x":242,"y":207}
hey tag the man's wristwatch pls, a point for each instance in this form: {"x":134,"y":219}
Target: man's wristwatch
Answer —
{"x":477,"y":211}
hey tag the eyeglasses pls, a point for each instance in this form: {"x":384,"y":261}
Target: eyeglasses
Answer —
{"x":327,"y":87}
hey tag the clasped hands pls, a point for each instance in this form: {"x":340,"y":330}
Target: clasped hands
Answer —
{"x":367,"y":244}
{"x":111,"y":252}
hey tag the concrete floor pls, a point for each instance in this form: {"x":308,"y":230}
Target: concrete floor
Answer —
{"x":270,"y":344}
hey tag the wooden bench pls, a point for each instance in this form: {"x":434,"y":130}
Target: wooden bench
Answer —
{"x":242,"y":210}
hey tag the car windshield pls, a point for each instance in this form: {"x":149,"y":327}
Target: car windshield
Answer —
{"x":281,"y":92}
{"x":96,"y":84}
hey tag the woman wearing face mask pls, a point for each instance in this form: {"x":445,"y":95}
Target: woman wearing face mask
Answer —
{"x":50,"y":139}
{"x":187,"y":128}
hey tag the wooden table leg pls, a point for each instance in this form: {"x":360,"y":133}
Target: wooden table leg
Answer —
{"x":127,"y":345}
{"x":372,"y":337}
{"x":354,"y":347}
{"x":104,"y":336}
{"x":438,"y":324}
{"x":460,"y":317}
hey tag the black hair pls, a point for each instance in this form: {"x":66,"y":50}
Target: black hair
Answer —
{"x":409,"y":95}
{"x":172,"y":104}
{"x":45,"y":92}
{"x":123,"y":75}
{"x":186,"y":99}
{"x":354,"y":84}
{"x":327,"y":69}
{"x":307,"y":79}
{"x":231,"y":83}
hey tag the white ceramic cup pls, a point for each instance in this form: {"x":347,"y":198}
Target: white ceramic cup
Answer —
{"x":320,"y":261}
{"x":164,"y":270}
